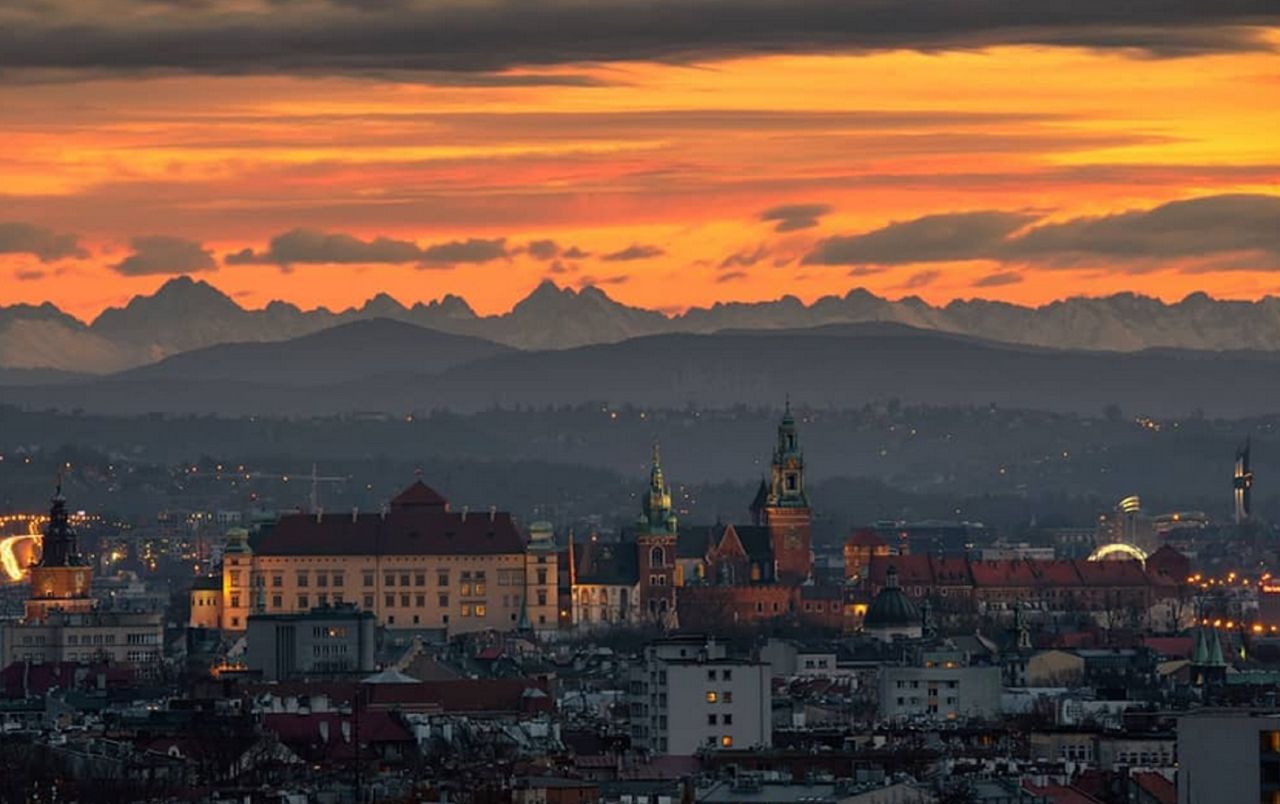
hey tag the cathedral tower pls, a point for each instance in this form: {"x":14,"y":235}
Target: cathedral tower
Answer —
{"x":656,"y":533}
{"x":785,"y":509}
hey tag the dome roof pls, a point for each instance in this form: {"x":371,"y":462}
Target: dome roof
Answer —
{"x":891,"y":608}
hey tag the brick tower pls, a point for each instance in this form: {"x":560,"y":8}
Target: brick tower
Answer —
{"x":784,"y":507}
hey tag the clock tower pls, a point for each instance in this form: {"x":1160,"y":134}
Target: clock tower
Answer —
{"x":60,"y":579}
{"x":783,"y":508}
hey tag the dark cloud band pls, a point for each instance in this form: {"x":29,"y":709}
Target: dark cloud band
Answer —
{"x":316,"y":36}
{"x":1135,"y":239}
{"x":309,"y":246}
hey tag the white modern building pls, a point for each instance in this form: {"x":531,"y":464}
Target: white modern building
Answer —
{"x":944,"y":691}
{"x":1228,"y":756}
{"x":689,"y":695}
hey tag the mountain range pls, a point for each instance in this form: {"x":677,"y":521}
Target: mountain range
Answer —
{"x":186,"y":315}
{"x":395,"y":368}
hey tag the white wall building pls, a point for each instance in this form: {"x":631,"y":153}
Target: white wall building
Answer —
{"x":940,"y":693}
{"x":1228,"y":756}
{"x":688,"y":695}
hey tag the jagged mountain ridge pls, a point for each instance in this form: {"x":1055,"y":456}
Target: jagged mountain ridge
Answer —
{"x":186,"y":314}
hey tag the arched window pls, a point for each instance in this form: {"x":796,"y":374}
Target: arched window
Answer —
{"x":657,"y":557}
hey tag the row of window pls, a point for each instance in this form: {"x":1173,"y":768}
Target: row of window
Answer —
{"x":416,"y":578}
{"x":724,"y":720}
{"x":915,"y":685}
{"x":721,"y":697}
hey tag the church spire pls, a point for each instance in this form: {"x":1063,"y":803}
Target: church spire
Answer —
{"x":58,"y":548}
{"x":787,"y":486}
{"x":657,"y":516}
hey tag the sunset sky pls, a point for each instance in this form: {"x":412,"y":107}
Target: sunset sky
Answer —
{"x":674,"y":154}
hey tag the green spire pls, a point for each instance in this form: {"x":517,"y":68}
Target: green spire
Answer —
{"x":657,"y":516}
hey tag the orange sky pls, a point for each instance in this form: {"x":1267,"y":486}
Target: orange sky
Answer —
{"x":681,"y":160}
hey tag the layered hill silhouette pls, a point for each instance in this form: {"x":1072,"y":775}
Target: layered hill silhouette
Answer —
{"x":186,"y":315}
{"x":396,"y":368}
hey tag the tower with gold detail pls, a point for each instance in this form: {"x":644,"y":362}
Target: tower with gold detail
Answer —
{"x":656,"y":534}
{"x":782,"y":506}
{"x":60,"y":579}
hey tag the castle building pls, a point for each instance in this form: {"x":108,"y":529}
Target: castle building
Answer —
{"x":710,"y":575}
{"x":415,"y":565}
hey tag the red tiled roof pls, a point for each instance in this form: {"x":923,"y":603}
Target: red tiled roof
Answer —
{"x":1171,"y":647}
{"x":1111,"y":573}
{"x":305,"y":729}
{"x":419,"y":495}
{"x":415,"y":530}
{"x":1060,"y":572}
{"x":19,"y":680}
{"x":1015,"y":572}
{"x":464,"y":695}
{"x":912,"y":570}
{"x":1059,"y":794}
{"x":865,"y":537}
{"x":1156,"y":786}
{"x":950,"y":571}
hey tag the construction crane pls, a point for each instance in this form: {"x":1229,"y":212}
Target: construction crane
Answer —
{"x":315,"y":479}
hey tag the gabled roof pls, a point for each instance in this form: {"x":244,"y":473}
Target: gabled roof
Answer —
{"x":730,"y":546}
{"x":419,"y":495}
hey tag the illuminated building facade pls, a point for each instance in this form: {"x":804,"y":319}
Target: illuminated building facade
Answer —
{"x":60,"y":579}
{"x":1242,"y":482}
{"x":416,"y":565}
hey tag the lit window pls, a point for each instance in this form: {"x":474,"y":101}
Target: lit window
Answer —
{"x":712,"y":697}
{"x":481,"y":609}
{"x":726,"y":741}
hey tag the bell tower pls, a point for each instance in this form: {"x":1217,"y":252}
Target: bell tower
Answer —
{"x":656,"y":534}
{"x":60,"y":579}
{"x":786,"y":506}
